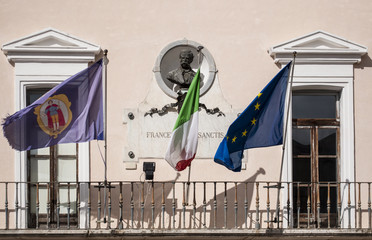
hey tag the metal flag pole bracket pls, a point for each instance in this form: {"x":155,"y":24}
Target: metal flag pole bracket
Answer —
{"x":105,"y":186}
{"x":276,"y":218}
{"x":274,"y":186}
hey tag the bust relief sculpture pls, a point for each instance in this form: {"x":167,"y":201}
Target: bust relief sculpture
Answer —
{"x":183,"y":75}
{"x":174,"y":72}
{"x":177,"y":63}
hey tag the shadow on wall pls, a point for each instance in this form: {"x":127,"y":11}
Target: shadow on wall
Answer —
{"x":244,"y":195}
{"x":171,"y":195}
{"x":366,"y":61}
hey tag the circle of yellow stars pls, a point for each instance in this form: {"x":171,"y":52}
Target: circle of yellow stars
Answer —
{"x":253,"y":122}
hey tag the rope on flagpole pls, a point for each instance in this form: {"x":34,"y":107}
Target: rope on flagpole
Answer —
{"x":279,"y":186}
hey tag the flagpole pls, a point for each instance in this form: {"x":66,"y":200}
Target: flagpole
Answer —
{"x":189,"y":175}
{"x":285,"y":138}
{"x":104,"y":82}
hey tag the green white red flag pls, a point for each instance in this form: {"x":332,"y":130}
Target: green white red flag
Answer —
{"x":184,"y":140}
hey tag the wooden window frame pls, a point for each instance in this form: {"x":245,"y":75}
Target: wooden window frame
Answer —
{"x":314,"y":186}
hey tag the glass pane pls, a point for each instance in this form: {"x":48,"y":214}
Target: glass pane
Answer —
{"x":301,"y":170}
{"x":300,"y":201}
{"x":33,"y":199}
{"x":43,"y":196}
{"x":64,"y":197}
{"x":40,"y":151}
{"x":314,"y":106}
{"x":301,"y":141}
{"x":67,"y":149}
{"x":39,"y":170}
{"x":35,"y":94}
{"x":327,"y":141}
{"x":42,"y":199}
{"x":324,"y":199}
{"x":327,"y":169}
{"x":66,"y":170}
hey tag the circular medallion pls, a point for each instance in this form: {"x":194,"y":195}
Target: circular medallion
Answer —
{"x":177,"y":64}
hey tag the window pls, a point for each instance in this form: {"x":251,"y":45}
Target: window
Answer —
{"x":324,"y":64}
{"x":38,"y":66}
{"x":52,"y":174}
{"x":315,"y":152}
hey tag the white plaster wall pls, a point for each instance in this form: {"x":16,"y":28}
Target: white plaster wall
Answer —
{"x":237,"y":34}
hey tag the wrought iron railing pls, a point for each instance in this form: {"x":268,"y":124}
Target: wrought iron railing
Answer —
{"x":184,"y":205}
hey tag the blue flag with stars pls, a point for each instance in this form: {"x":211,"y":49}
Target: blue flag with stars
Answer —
{"x":259,"y":125}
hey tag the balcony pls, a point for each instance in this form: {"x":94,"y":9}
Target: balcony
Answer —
{"x":169,"y":209}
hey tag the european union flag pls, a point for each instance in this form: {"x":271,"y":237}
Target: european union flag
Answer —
{"x":71,"y":112}
{"x":260,"y":125}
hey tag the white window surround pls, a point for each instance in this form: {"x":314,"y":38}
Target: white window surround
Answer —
{"x":325,"y":62}
{"x":45,"y":59}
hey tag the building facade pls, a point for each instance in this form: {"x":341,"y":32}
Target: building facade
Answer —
{"x":317,"y":184}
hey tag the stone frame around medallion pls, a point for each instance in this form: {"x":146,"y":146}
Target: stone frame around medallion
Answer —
{"x":168,"y":60}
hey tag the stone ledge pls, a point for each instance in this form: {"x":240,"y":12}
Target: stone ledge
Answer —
{"x":245,"y":234}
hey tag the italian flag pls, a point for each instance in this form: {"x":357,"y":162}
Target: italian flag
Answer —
{"x":184,"y":140}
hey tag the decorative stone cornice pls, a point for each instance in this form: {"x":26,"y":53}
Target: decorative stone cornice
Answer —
{"x":50,"y":45}
{"x":318,"y":47}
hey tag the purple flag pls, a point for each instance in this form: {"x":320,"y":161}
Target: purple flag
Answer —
{"x":71,"y":112}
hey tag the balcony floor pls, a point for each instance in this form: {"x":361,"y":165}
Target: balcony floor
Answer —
{"x":233,"y":234}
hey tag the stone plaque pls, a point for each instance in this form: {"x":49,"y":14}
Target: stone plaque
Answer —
{"x":149,"y":134}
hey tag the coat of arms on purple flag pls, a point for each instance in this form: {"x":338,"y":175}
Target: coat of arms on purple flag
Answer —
{"x":71,"y":112}
{"x":54,"y":116}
